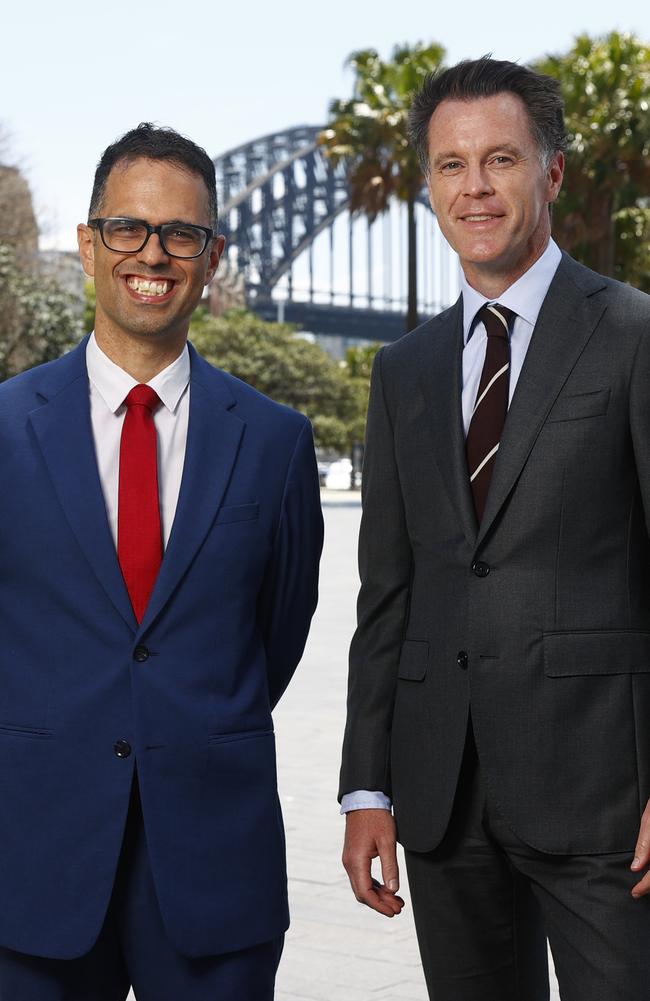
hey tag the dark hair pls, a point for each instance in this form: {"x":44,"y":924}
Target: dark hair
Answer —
{"x":486,"y":77}
{"x":155,"y":143}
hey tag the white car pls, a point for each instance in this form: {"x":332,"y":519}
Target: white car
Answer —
{"x":338,"y":475}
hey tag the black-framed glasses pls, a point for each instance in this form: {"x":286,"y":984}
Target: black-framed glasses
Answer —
{"x":129,"y":236}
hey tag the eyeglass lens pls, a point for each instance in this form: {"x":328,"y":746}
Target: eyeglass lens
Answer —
{"x":129,"y":235}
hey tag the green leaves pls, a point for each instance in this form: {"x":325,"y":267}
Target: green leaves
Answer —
{"x":369,"y":130}
{"x":38,"y":319}
{"x":283,"y":365}
{"x":606,"y":87}
{"x":370,"y":133}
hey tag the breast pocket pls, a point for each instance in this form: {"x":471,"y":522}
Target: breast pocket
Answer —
{"x":580,"y":406}
{"x":237,"y":512}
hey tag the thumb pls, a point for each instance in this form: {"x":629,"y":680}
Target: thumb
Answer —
{"x":389,"y":867}
{"x":642,"y":850}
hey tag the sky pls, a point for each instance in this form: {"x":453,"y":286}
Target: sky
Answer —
{"x":75,"y":75}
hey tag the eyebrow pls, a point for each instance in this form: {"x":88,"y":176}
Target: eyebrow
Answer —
{"x":500,"y":147}
{"x":167,"y":222}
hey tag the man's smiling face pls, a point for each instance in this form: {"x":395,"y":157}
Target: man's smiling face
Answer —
{"x":149,"y":294}
{"x":489,"y":188}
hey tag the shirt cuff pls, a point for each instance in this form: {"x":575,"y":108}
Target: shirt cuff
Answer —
{"x":363,"y":799}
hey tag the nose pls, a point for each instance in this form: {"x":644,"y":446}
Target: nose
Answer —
{"x":477,"y":181}
{"x":152,"y":253}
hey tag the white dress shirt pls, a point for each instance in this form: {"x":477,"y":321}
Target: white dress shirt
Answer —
{"x":109,"y":386}
{"x":525,"y":298}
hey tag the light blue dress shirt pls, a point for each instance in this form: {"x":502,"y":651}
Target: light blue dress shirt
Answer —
{"x":525,"y":298}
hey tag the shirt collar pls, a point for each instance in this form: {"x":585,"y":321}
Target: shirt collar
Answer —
{"x":113,"y":384}
{"x":524,"y":297}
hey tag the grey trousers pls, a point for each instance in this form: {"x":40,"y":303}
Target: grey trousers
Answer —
{"x":484,"y":903}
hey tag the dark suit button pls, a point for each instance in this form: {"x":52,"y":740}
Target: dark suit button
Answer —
{"x":122,"y":748}
{"x":481,"y":569}
{"x":141,"y":654}
{"x":461,"y":660}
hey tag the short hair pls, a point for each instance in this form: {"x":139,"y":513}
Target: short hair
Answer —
{"x":485,"y":77}
{"x":154,"y":142}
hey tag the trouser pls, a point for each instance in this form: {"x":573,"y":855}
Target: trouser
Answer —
{"x":133,"y":950}
{"x":484,"y":902}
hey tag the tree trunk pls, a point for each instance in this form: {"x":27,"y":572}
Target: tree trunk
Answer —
{"x":605,"y":244}
{"x":412,"y":300}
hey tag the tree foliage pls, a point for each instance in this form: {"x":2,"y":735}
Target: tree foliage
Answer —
{"x":370,"y":133}
{"x":358,"y":368}
{"x":603,"y":214}
{"x":284,"y":366}
{"x":38,"y":319}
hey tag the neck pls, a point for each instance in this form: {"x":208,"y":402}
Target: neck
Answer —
{"x":493,"y":282}
{"x":142,"y":359}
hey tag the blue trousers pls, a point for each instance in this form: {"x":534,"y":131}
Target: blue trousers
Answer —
{"x":133,"y":950}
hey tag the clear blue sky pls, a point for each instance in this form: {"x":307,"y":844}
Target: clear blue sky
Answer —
{"x":74,"y":75}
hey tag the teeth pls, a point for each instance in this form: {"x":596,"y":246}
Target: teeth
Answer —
{"x":478,"y":218}
{"x":146,"y":286}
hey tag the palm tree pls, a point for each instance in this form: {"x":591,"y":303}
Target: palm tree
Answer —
{"x":603,"y":214}
{"x":369,"y":132}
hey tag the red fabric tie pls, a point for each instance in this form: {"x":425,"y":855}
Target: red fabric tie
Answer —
{"x":139,"y":536}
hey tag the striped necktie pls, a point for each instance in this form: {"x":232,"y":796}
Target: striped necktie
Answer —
{"x":491,"y":407}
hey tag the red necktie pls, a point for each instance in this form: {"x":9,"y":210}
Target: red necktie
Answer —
{"x":491,"y":405}
{"x":139,"y":536}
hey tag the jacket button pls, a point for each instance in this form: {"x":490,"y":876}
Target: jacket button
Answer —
{"x":481,"y":569}
{"x":122,"y":748}
{"x":141,"y":654}
{"x":461,"y":660}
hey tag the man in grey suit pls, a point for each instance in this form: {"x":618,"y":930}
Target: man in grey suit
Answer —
{"x":499,"y":695}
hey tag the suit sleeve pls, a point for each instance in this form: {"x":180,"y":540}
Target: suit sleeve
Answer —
{"x":290,"y":591}
{"x":385,"y":567}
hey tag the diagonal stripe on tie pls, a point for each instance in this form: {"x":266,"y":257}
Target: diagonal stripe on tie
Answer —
{"x":491,"y":407}
{"x":487,"y":458}
{"x":487,"y":389}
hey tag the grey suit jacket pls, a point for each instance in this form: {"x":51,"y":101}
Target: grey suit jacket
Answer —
{"x":538,"y":622}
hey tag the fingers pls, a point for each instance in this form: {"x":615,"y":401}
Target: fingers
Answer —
{"x":642,"y":888}
{"x":369,"y":834}
{"x":642,"y":855}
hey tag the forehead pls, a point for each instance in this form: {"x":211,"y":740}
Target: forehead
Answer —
{"x":480,"y":122}
{"x":156,"y":190}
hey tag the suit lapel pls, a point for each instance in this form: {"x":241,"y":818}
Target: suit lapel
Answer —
{"x":566,"y":322}
{"x":441,"y":380}
{"x":213,"y":438}
{"x":64,"y":434}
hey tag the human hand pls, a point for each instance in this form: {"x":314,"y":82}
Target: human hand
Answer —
{"x":370,"y":834}
{"x":642,"y":855}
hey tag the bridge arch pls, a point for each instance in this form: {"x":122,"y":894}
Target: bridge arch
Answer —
{"x":278,"y":194}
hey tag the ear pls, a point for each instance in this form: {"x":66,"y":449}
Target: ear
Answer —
{"x":86,"y":243}
{"x":213,"y":261}
{"x":555,"y":176}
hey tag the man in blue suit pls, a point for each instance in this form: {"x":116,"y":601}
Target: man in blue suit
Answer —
{"x":160,"y":531}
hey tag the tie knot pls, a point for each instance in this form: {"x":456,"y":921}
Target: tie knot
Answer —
{"x":143,"y":396}
{"x":497,"y":319}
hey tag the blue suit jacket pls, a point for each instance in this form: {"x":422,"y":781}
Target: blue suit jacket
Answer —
{"x":223,"y":633}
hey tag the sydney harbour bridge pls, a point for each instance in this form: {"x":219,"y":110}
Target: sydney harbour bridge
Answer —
{"x":300,"y":255}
